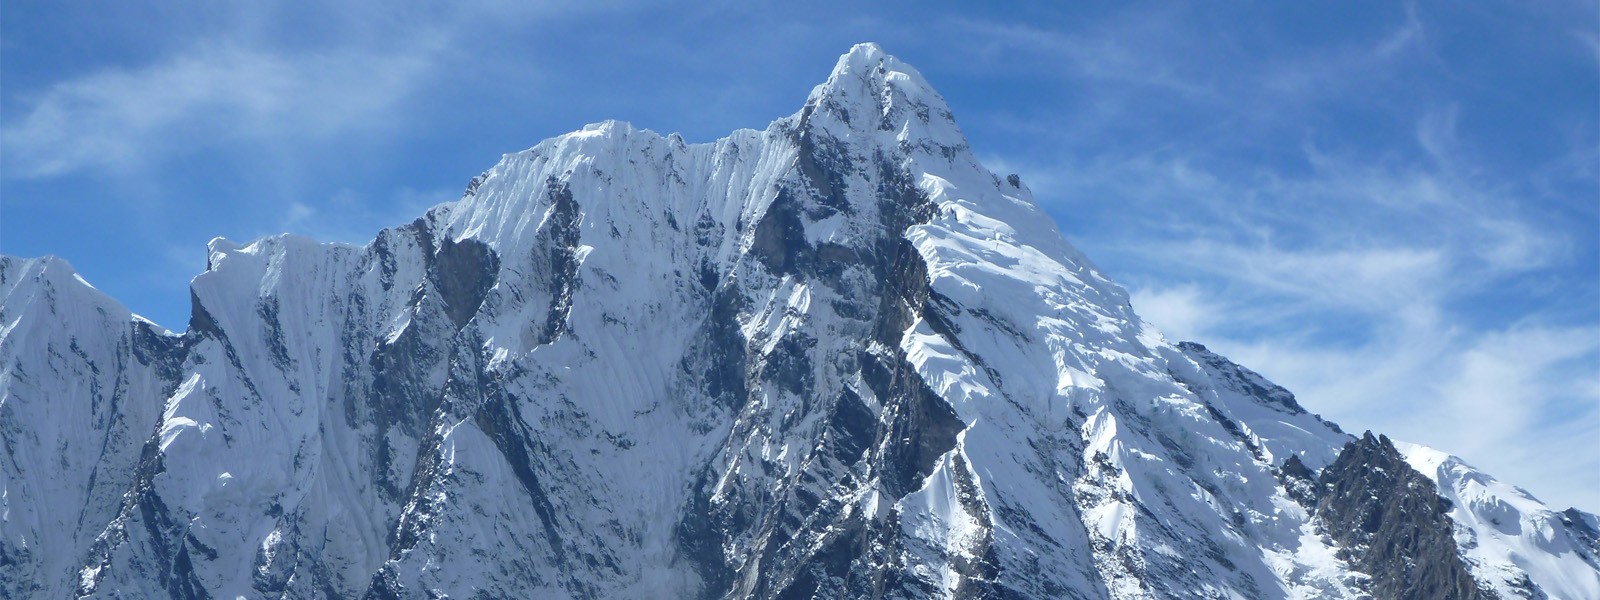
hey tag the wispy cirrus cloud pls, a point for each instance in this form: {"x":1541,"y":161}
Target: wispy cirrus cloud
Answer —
{"x":1118,"y":52}
{"x":1399,"y":274}
{"x":351,"y":217}
{"x":1366,"y":342}
{"x":121,"y":119}
{"x":1364,"y":288}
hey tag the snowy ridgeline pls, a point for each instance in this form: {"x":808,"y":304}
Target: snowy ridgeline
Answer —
{"x":834,"y":358}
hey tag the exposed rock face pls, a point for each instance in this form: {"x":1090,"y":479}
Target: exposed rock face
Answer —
{"x":834,"y":358}
{"x":1586,"y":529}
{"x":1391,"y":524}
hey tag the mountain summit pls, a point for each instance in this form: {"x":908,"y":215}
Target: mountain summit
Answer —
{"x":834,"y":358}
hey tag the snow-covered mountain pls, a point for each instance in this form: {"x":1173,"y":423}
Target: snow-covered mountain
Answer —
{"x":834,"y":358}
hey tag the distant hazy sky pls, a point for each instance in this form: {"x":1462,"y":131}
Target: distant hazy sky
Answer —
{"x":1391,"y":209}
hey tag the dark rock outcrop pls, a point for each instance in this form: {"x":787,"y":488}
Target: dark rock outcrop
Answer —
{"x":1392,"y":524}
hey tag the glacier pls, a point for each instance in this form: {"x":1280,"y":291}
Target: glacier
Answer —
{"x":834,"y":358}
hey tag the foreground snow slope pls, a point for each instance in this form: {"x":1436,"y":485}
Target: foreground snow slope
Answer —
{"x":1514,"y":542}
{"x":834,"y":358}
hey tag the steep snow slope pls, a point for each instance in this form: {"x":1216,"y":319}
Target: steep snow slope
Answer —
{"x":833,"y":358}
{"x":79,"y":390}
{"x":1514,"y":542}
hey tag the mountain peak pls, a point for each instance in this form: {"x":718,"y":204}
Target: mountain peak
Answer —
{"x":872,"y":73}
{"x":871,"y":90}
{"x":834,"y":358}
{"x":865,"y":57}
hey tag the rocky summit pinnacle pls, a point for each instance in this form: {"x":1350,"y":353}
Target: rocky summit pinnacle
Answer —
{"x":834,"y":358}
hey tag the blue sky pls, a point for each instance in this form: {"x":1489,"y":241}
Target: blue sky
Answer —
{"x":1392,"y":209}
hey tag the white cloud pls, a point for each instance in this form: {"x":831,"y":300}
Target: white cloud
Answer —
{"x":120,"y":119}
{"x":1367,"y":274}
{"x":1370,"y":279}
{"x":297,"y":215}
{"x":350,"y":217}
{"x":1522,"y":403}
{"x":1180,"y":313}
{"x":1120,"y":52}
{"x":1348,"y":283}
{"x":1368,"y":330}
{"x":1499,"y":389}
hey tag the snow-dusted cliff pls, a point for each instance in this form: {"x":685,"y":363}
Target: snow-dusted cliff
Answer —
{"x":834,"y":358}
